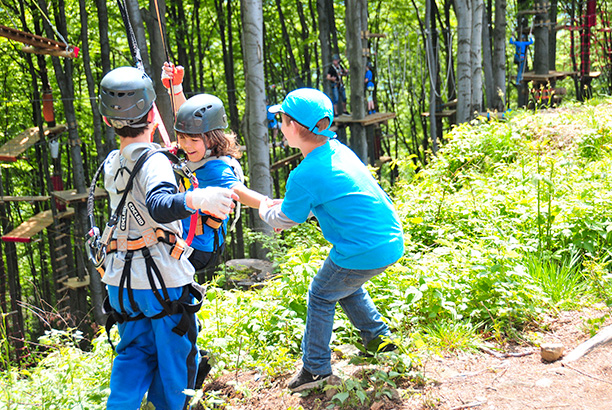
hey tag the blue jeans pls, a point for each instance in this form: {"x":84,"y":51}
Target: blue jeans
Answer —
{"x":338,"y":91}
{"x":330,"y":285}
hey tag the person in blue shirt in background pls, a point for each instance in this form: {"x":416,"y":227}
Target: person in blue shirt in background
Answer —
{"x":369,"y":84}
{"x":273,"y":125}
{"x":355,"y":216}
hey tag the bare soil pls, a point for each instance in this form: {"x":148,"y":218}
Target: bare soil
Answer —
{"x":464,"y":381}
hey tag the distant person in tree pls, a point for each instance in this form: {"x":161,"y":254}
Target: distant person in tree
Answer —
{"x":273,"y":124}
{"x":148,"y":276}
{"x":369,"y":86}
{"x":334,"y":75}
{"x":212,"y":155}
{"x":356,"y":217}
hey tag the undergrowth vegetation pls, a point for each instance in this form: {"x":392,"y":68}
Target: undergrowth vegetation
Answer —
{"x":511,"y":220}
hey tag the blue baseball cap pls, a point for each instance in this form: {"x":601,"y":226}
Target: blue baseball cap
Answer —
{"x":308,"y":106}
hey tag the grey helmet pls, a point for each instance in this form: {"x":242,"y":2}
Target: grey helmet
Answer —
{"x":199,"y":114}
{"x":126,"y":95}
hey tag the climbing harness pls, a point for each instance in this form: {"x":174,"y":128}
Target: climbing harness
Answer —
{"x":101,"y":245}
{"x":212,"y":222}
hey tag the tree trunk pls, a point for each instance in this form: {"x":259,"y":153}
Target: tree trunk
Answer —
{"x":432,"y":65}
{"x":476,"y":56}
{"x":296,"y":78}
{"x":64,"y":75}
{"x":255,"y":107}
{"x":540,"y":35}
{"x":110,"y":142}
{"x":487,"y":61}
{"x":499,"y":56}
{"x":326,"y":49}
{"x":158,"y":56}
{"x":305,"y":74}
{"x":135,"y":15}
{"x":464,"y":72}
{"x":97,"y":293}
{"x":552,"y":36}
{"x":354,"y":48}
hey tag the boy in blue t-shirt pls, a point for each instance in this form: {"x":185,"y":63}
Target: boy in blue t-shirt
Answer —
{"x":356,"y":217}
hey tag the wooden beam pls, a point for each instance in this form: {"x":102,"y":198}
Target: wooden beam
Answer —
{"x":285,"y":161}
{"x":18,"y":145}
{"x":370,"y":119}
{"x":34,"y":225}
{"x":441,"y":114}
{"x":37,"y":42}
{"x":10,"y":198}
{"x":602,"y":338}
{"x":72,"y":196}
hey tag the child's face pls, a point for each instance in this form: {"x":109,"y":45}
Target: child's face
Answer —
{"x":194,"y":147}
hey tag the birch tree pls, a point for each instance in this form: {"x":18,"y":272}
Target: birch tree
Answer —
{"x":499,"y":56}
{"x":464,"y":71}
{"x":255,"y":106}
{"x":476,"y":56}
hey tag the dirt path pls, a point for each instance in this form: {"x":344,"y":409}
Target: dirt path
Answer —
{"x":468,"y":381}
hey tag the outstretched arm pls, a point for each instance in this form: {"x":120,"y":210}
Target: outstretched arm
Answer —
{"x":172,"y":78}
{"x":270,"y":212}
{"x":247,"y":196}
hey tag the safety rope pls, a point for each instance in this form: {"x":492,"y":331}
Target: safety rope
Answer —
{"x":138,"y":61}
{"x":57,"y":33}
{"x":163,"y":40}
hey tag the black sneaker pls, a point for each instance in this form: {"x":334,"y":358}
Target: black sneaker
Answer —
{"x":305,"y":380}
{"x":203,"y":369}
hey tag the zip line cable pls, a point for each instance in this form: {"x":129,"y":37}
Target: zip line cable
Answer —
{"x":139,"y":64}
{"x":57,"y":33}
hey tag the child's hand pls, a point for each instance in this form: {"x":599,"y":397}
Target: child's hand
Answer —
{"x":172,"y":75}
{"x":216,"y":201}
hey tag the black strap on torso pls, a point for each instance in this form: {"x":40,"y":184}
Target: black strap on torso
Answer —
{"x":170,"y":307}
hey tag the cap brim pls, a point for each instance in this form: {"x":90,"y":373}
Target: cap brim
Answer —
{"x":327,"y":133}
{"x":275,"y":108}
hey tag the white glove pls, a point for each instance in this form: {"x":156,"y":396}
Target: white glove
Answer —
{"x":213,"y":200}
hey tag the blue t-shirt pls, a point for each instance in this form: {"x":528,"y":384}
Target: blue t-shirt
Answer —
{"x":271,"y":118}
{"x":213,"y":173}
{"x":355,"y":214}
{"x":368,"y":76}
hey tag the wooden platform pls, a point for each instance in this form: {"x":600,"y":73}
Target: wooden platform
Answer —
{"x":11,"y":198}
{"x":369,"y":119}
{"x":440,"y":114}
{"x":72,"y":196}
{"x":552,"y":75}
{"x":18,"y":145}
{"x":34,"y":225}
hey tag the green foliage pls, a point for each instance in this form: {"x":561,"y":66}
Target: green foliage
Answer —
{"x":509,"y":221}
{"x":65,"y":378}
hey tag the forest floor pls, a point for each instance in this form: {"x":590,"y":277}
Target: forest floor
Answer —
{"x":460,"y":381}
{"x":478,"y":380}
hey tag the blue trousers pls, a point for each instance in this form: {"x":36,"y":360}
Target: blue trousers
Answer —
{"x":331,"y":285}
{"x":150,"y":356}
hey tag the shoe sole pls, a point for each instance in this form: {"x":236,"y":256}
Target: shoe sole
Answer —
{"x":308,"y":386}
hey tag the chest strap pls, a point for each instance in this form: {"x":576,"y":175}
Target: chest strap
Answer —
{"x":178,"y":245}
